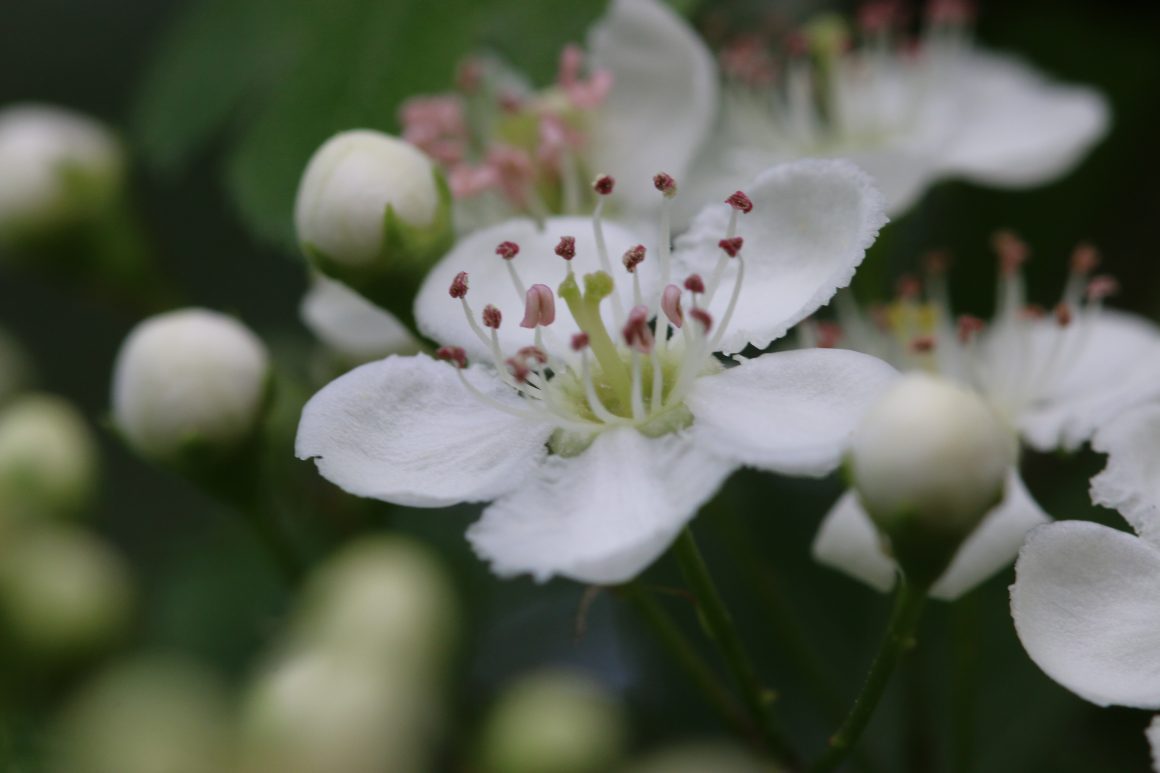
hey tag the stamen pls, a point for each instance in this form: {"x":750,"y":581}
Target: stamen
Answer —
{"x":459,"y":285}
{"x":665,"y":184}
{"x":518,"y":369}
{"x":969,"y":327}
{"x":637,"y":334}
{"x":634,"y":257}
{"x":704,"y":318}
{"x":1063,"y":315}
{"x":539,"y":306}
{"x":1085,"y":259}
{"x":923,"y":344}
{"x":671,"y":305}
{"x":1101,"y":287}
{"x":534,"y":354}
{"x":579,"y":342}
{"x":1013,"y":252}
{"x":828,"y":334}
{"x":453,"y":354}
{"x":740,"y":202}
{"x":668,"y":188}
{"x":507,"y":250}
{"x":492,"y":317}
{"x":566,"y":248}
{"x":731,"y":246}
{"x":694,"y":284}
{"x":908,"y":287}
{"x":595,"y":404}
{"x":603,"y":184}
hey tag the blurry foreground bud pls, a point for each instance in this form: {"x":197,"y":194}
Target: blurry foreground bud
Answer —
{"x":553,"y":722}
{"x":928,"y":462}
{"x":188,"y":382}
{"x":59,"y":167}
{"x":370,"y":209}
{"x":700,"y":758}
{"x":48,"y":458}
{"x":386,"y":599}
{"x":62,"y":592}
{"x":150,"y":715}
{"x":352,"y":327}
{"x":319,"y":711}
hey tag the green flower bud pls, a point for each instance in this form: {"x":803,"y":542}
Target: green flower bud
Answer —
{"x":48,"y":458}
{"x":553,"y":722}
{"x":928,"y":462}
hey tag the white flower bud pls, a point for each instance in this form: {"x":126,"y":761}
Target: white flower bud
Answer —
{"x":189,"y":378}
{"x":48,"y":458}
{"x":62,"y":592}
{"x":350,"y":184}
{"x":386,"y":599}
{"x":144,"y":716}
{"x":928,"y":462}
{"x":58,"y":166}
{"x":352,"y":327}
{"x":553,"y":722}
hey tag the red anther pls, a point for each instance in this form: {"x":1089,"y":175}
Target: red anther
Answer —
{"x":603,"y":184}
{"x":1084,"y":259}
{"x":637,"y":334}
{"x":453,"y":354}
{"x":671,"y":305}
{"x":533,"y":354}
{"x":459,"y":285}
{"x":566,"y":249}
{"x":922,"y":344}
{"x":695,"y":284}
{"x":731,"y":246}
{"x":908,"y":287}
{"x":829,"y":334}
{"x":1032,"y":311}
{"x":969,"y":327}
{"x":740,"y":202}
{"x":634,"y":257}
{"x":1012,"y":251}
{"x":539,"y":306}
{"x":579,"y":342}
{"x":665,"y":184}
{"x":507,"y":250}
{"x":936,"y":262}
{"x":1101,"y":287}
{"x":518,"y":368}
{"x":1062,"y":314}
{"x":492,"y":317}
{"x":704,"y":318}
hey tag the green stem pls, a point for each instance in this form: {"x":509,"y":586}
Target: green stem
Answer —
{"x":909,"y":602}
{"x":264,"y":522}
{"x":688,"y":658}
{"x":720,"y":628}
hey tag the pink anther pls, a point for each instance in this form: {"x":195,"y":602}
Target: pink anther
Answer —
{"x":539,"y":307}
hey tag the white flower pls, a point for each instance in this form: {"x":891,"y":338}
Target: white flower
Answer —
{"x":1054,"y":377}
{"x":511,"y":150}
{"x":58,"y":165}
{"x":908,"y":114}
{"x":186,"y":378}
{"x":599,"y":446}
{"x":1086,"y":598}
{"x":350,"y":325}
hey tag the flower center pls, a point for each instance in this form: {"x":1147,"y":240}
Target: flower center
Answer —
{"x":635,"y":372}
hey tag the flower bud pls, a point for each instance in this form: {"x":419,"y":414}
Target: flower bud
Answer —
{"x":352,"y":327}
{"x":553,"y":722}
{"x":144,"y":716}
{"x":62,"y":592}
{"x":928,"y":462}
{"x":48,"y":458}
{"x":189,"y":379}
{"x":371,"y":205}
{"x":383,"y":598}
{"x":59,"y":167}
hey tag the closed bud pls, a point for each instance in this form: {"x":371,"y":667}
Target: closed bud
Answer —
{"x":60,"y":167}
{"x":189,"y":381}
{"x":928,"y":462}
{"x":48,"y":458}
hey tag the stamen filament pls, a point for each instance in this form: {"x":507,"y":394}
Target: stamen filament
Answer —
{"x":605,"y":261}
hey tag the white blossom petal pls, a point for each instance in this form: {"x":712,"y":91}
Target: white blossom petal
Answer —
{"x":1087,"y":610}
{"x":811,"y":224}
{"x":790,"y":412}
{"x":604,"y":515}
{"x":351,"y":325}
{"x":441,"y":317}
{"x":1113,"y":364}
{"x":663,"y":100}
{"x":406,"y":430}
{"x":847,"y":541}
{"x":1017,"y":128}
{"x":1131,"y":481}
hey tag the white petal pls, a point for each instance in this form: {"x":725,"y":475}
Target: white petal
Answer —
{"x":351,"y":325}
{"x":901,"y":173}
{"x":790,"y":412}
{"x":847,"y":541}
{"x":809,"y":229}
{"x":441,"y":317}
{"x":603,"y":516}
{"x":1153,"y":734}
{"x":663,"y":100}
{"x":405,"y":430}
{"x":1131,"y":481}
{"x":1017,"y":128}
{"x":1115,"y":365}
{"x":994,"y":544}
{"x":1087,"y":609}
